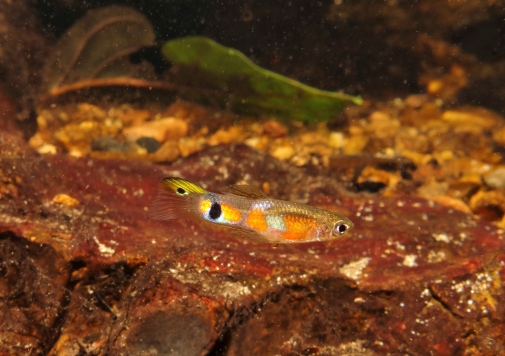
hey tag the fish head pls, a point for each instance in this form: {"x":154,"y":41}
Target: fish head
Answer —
{"x":333,"y":226}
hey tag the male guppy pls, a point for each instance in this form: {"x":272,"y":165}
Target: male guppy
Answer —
{"x":250,"y":211}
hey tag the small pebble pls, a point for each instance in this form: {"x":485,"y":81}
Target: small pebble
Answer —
{"x":373,"y":179}
{"x":496,"y":178}
{"x":283,"y":153}
{"x":108,"y":144}
{"x":161,"y":130}
{"x":227,"y":135}
{"x":499,"y":136}
{"x":47,"y":148}
{"x":66,"y":199}
{"x":464,"y":187}
{"x":474,"y":120}
{"x":188,"y":146}
{"x":355,"y":145}
{"x":454,"y":203}
{"x":149,"y":143}
{"x":274,"y":129}
{"x":489,"y":205}
{"x":336,"y":140}
{"x":433,"y":189}
{"x":168,"y":152}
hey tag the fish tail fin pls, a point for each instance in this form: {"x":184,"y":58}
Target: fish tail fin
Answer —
{"x":176,"y":198}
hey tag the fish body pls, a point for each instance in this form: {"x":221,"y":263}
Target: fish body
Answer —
{"x":249,"y":211}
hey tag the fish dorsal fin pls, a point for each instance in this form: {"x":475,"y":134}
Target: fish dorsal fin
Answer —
{"x":246,"y":191}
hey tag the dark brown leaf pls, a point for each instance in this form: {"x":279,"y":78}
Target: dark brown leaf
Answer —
{"x":95,"y":48}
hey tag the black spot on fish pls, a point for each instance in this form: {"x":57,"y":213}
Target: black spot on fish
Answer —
{"x":181,"y":191}
{"x":215,"y":211}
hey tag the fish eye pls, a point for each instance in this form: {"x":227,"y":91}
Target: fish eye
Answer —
{"x":181,"y":191}
{"x":341,"y":227}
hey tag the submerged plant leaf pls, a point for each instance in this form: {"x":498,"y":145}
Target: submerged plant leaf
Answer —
{"x":96,"y":48}
{"x":213,"y":73}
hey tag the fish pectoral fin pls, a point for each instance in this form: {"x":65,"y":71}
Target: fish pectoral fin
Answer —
{"x":246,"y":191}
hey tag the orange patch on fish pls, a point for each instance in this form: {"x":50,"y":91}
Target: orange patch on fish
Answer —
{"x":297,"y":227}
{"x":231,"y":214}
{"x":256,"y":220}
{"x":205,"y":206}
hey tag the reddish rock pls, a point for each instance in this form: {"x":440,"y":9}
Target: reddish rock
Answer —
{"x":33,"y":296}
{"x":413,"y":277}
{"x":162,"y":314}
{"x":8,"y":111}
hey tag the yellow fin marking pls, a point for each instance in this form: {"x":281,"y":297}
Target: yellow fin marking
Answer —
{"x":231,"y":214}
{"x":181,"y":186}
{"x":256,"y":220}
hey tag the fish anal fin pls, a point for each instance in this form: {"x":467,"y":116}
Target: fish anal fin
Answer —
{"x":246,"y":191}
{"x":249,"y":235}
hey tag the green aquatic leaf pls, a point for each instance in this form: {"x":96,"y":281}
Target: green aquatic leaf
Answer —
{"x":207,"y":71}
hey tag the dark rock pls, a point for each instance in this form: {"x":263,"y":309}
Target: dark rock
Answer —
{"x":108,"y":144}
{"x":162,"y":315}
{"x":149,"y":143}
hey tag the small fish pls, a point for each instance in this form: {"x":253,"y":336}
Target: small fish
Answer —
{"x":250,"y":211}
